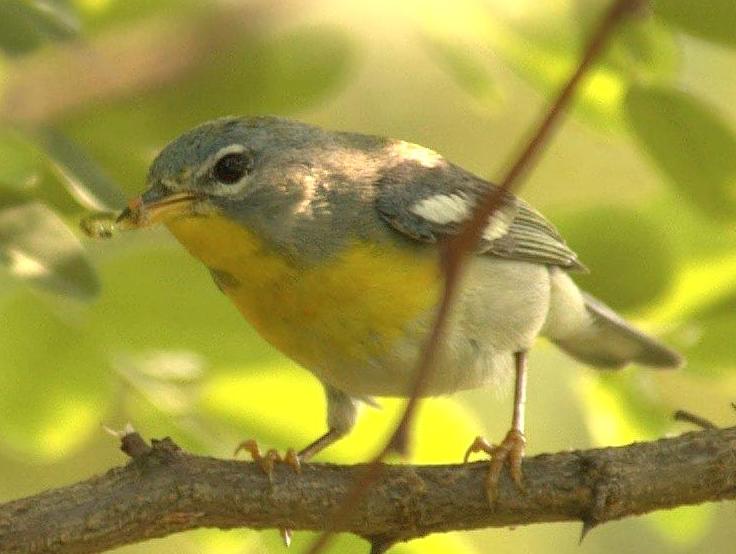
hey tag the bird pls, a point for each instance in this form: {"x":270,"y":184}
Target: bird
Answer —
{"x":328,"y":243}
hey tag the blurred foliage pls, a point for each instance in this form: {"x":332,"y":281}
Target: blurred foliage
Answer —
{"x":24,"y":26}
{"x":641,"y":180}
{"x":711,"y":21}
{"x":692,"y":146}
{"x":639,"y":242}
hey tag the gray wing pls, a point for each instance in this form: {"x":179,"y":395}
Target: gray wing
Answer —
{"x":427,"y":203}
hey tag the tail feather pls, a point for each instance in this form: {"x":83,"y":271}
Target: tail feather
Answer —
{"x":611,"y":342}
{"x":599,"y":336}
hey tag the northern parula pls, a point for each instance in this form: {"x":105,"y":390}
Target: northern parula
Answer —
{"x":327,"y":242}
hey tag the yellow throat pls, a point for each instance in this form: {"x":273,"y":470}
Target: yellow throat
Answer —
{"x":350,"y":307}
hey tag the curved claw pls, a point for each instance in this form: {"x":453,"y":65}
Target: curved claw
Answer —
{"x":510,"y":451}
{"x":286,"y":535}
{"x":270,"y":458}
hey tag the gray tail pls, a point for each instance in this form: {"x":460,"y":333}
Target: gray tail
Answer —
{"x":610,"y":342}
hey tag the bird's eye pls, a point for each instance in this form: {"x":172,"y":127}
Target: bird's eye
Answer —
{"x":231,"y":168}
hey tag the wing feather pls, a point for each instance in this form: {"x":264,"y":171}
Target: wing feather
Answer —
{"x":427,"y":203}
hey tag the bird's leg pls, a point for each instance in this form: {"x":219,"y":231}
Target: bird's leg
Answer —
{"x":511,"y":449}
{"x":271,"y":457}
{"x":341,"y":413}
{"x":331,"y":436}
{"x":267,"y":461}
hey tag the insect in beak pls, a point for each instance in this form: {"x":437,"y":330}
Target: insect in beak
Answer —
{"x":155,"y":206}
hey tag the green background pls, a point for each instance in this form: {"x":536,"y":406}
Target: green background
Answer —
{"x":641,"y":179}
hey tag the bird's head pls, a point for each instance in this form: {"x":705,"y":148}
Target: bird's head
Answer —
{"x":221,"y":166}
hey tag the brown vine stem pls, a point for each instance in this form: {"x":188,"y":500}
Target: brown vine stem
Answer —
{"x":456,"y":249}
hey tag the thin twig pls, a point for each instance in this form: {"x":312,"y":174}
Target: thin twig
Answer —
{"x":456,"y":249}
{"x":689,"y":417}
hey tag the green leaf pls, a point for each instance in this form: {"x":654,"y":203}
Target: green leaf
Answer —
{"x":630,"y":258}
{"x":645,"y":50}
{"x":21,"y":161}
{"x":260,"y":74}
{"x":537,"y":43}
{"x":85,"y":180}
{"x":714,"y":20}
{"x":270,"y":542}
{"x":25,"y":26}
{"x":282,"y":73}
{"x":234,"y":541}
{"x":436,"y":544}
{"x":711,"y":350}
{"x":622,"y":407}
{"x":158,"y":300}
{"x":690,"y":144}
{"x":55,"y":382}
{"x":38,"y":248}
{"x":464,"y":65}
{"x":101,"y":15}
{"x":685,"y":526}
{"x":344,"y":543}
{"x":300,"y":399}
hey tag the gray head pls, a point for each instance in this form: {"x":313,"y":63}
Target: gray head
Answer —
{"x":265,"y":172}
{"x":222,"y":158}
{"x":230,"y":160}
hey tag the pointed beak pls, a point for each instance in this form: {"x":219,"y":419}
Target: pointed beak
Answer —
{"x":156,"y":205}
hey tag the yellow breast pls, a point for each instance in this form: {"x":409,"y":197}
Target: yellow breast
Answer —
{"x":352,"y":306}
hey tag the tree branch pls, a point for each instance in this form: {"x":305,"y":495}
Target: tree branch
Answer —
{"x":163,"y":490}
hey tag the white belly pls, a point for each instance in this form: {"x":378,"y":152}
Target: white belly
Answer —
{"x":500,"y":310}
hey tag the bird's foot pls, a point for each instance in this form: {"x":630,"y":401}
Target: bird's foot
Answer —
{"x":510,"y":451}
{"x":270,"y":458}
{"x":267,"y":461}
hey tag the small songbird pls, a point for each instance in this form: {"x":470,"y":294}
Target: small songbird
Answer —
{"x":328,"y":244}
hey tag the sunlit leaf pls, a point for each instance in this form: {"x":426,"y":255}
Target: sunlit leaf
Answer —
{"x":547,"y":65}
{"x":709,"y":333}
{"x":100,"y":15}
{"x":685,"y":526}
{"x":714,"y":20}
{"x":215,"y":541}
{"x":622,"y":407}
{"x":55,"y":384}
{"x":179,"y":366}
{"x":646,"y":49}
{"x":21,"y":161}
{"x":436,"y":544}
{"x":38,"y":248}
{"x":157,"y":299}
{"x":270,"y":542}
{"x":84,"y":178}
{"x":465,"y":66}
{"x":244,"y":400}
{"x":296,"y":416}
{"x":642,"y":47}
{"x":147,"y":408}
{"x":27,"y":25}
{"x":690,"y":143}
{"x":630,"y":258}
{"x":543,"y":42}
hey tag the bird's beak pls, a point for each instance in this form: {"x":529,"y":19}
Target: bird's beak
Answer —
{"x":156,"y":205}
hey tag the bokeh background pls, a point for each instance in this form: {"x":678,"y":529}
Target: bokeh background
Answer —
{"x":641,"y":179}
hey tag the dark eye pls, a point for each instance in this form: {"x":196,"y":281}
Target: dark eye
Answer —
{"x":231,"y":168}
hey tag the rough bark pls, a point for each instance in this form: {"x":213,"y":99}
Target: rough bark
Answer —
{"x":163,"y":490}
